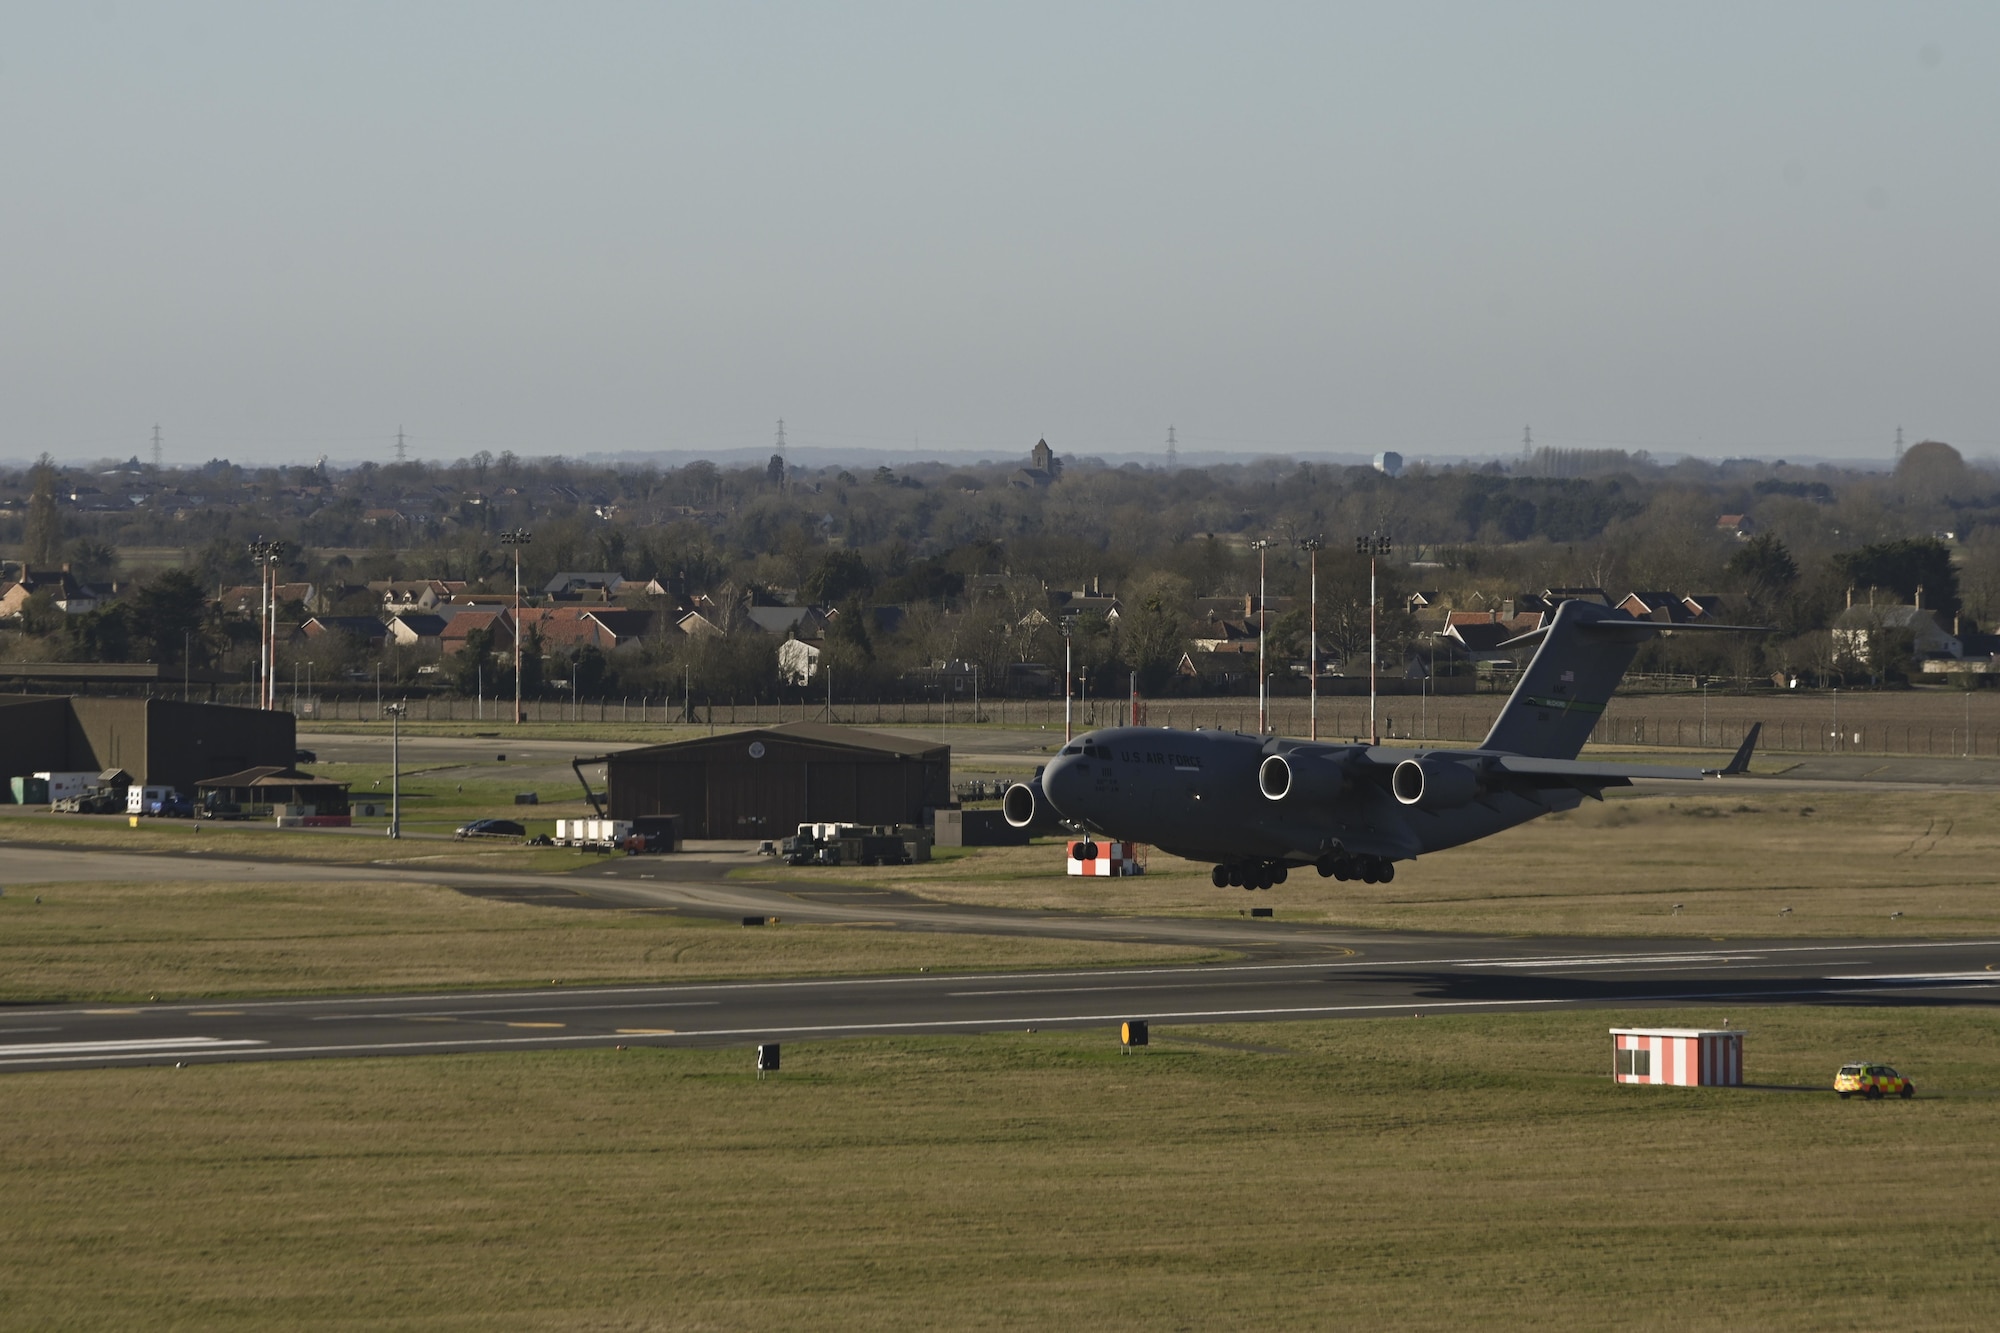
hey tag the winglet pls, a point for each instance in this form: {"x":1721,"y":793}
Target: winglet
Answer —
{"x":1741,"y":762}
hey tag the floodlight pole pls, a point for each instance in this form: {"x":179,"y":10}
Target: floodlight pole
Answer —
{"x":395,"y":712}
{"x":518,"y":538}
{"x":1262,"y":545}
{"x":1313,"y":546}
{"x":1066,"y":683}
{"x":1372,"y":546}
{"x":266,"y":554}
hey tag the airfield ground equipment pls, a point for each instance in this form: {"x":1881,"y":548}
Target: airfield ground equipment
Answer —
{"x":1087,"y":856}
{"x":1874,"y":1082}
{"x":855,"y":845}
{"x":1681,"y":1057}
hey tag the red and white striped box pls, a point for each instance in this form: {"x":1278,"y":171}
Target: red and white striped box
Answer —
{"x":1088,"y":857}
{"x":1681,"y":1057}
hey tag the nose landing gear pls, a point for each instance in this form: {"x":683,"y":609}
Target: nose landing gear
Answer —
{"x":1249,"y":875}
{"x":1367,"y":869}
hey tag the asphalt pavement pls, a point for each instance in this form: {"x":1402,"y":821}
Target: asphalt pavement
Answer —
{"x":1289,"y":970}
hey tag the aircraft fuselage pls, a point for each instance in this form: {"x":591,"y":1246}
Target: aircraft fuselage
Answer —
{"x":1215,"y":796}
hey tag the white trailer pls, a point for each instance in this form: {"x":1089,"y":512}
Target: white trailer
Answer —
{"x":592,"y":832}
{"x":64,"y":785}
{"x":140,"y":800}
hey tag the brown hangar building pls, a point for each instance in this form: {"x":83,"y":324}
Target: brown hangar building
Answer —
{"x":765,"y":782}
{"x":158,"y":742}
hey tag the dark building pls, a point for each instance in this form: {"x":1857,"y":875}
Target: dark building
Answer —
{"x":159,"y":742}
{"x":269,"y":786}
{"x":765,"y":783}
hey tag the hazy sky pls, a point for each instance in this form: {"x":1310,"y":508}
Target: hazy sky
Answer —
{"x":285,"y":229}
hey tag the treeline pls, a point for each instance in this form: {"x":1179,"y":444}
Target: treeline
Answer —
{"x":970,"y":551}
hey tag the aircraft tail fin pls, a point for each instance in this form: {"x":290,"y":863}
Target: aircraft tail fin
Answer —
{"x":1584,"y":651}
{"x":1741,"y":762}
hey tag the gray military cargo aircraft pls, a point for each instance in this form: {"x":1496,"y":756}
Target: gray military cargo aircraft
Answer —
{"x":1260,"y":806}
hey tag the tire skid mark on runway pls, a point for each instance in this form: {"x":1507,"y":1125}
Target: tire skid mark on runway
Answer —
{"x":581,"y":1002}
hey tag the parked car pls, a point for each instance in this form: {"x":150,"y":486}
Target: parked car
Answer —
{"x":492,"y":828}
{"x":304,"y":757}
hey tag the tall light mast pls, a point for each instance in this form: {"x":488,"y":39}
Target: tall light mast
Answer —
{"x":518,"y":538}
{"x":1313,"y":546}
{"x":1262,"y":545}
{"x":1373,"y":546}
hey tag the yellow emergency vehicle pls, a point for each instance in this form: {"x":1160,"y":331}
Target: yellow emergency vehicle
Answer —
{"x":1871,"y":1081}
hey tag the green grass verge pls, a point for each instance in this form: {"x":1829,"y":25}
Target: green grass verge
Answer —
{"x":261,"y":841}
{"x":1449,"y":1173}
{"x":91,"y":941}
{"x":1731,"y":860}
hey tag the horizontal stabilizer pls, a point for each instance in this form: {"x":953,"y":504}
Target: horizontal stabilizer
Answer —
{"x":1653,"y":626}
{"x":1529,"y":766}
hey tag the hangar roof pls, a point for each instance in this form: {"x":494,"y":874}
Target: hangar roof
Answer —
{"x":813,"y":733}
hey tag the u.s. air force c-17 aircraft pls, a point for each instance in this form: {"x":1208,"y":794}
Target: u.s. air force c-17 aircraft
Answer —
{"x":1260,"y":806}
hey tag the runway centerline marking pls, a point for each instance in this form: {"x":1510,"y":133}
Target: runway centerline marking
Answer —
{"x":134,"y":1045}
{"x":352,"y":1001}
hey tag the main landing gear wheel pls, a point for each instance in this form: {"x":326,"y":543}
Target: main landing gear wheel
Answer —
{"x":1258,"y":875}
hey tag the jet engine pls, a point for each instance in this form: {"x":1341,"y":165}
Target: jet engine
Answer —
{"x":1304,"y":775}
{"x":1024,"y":806}
{"x":1434,"y":784}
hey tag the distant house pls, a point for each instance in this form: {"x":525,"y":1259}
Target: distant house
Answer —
{"x":1857,"y":629}
{"x":696,"y":625}
{"x":1550,"y":596}
{"x":1069,"y":605}
{"x":1720,"y":608}
{"x":1480,"y":633}
{"x":572,"y":585}
{"x":417,"y":629}
{"x":70,"y":594}
{"x":798,"y":661}
{"x":1421,"y":601}
{"x":1661,"y":607}
{"x":1740,"y":526}
{"x":366,"y":629}
{"x":804,"y":622}
{"x":498,"y":624}
{"x":247,"y":599}
{"x":399,"y":596}
{"x":576,"y":626}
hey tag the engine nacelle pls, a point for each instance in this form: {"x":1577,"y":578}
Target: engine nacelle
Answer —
{"x":1435,"y":784}
{"x":1024,"y":806}
{"x":1309,"y":777}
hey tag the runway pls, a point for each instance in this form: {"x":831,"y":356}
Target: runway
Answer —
{"x":1288,"y":971}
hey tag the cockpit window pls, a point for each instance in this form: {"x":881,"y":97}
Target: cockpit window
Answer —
{"x":1072,"y":749}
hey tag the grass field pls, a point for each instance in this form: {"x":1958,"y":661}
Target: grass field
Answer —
{"x":279,"y":845}
{"x":1843,"y":861}
{"x":1448,"y":1173}
{"x":181,"y":940}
